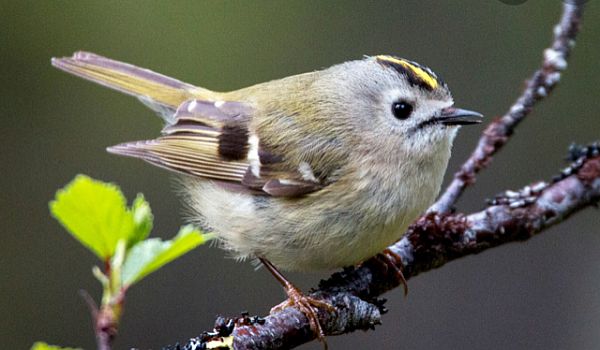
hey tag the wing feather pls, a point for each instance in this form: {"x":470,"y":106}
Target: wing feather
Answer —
{"x":213,"y":140}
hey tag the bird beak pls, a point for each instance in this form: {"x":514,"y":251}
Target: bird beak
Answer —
{"x":457,"y":116}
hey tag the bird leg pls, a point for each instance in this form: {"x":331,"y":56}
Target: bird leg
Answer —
{"x":307,"y":305}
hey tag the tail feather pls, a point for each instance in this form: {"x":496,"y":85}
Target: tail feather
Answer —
{"x":157,"y":91}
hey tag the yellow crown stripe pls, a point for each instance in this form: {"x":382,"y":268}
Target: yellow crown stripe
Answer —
{"x":418,"y":71}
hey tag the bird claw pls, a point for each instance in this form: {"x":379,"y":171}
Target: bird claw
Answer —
{"x":391,"y":260}
{"x":309,"y":306}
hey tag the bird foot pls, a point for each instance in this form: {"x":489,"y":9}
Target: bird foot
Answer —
{"x":391,"y":260}
{"x":309,"y":306}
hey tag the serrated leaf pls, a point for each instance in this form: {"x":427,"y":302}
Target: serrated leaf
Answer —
{"x":44,"y":346}
{"x":149,"y":255}
{"x":95,"y":213}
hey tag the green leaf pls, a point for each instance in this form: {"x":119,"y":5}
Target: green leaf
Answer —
{"x":44,"y":346}
{"x":142,"y":219}
{"x":96,"y":214}
{"x":149,"y":255}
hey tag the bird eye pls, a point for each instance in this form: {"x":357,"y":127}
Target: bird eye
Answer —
{"x":402,"y":110}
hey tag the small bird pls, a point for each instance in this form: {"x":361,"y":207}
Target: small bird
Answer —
{"x":314,"y":171}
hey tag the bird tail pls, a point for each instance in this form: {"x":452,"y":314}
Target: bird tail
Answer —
{"x":159,"y":92}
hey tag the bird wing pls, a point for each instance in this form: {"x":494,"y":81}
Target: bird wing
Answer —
{"x":212,"y":139}
{"x":203,"y":136}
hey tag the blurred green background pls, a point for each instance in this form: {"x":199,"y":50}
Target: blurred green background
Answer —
{"x":541,"y":294}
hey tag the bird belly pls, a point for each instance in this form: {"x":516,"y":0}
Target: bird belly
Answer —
{"x":346,"y":235}
{"x":316,"y":232}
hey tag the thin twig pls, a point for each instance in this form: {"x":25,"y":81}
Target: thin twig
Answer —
{"x":538,"y":87}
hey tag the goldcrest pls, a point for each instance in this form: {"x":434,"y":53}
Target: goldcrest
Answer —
{"x":314,"y":171}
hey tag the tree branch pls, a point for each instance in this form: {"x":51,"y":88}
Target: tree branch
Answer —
{"x":440,"y":237}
